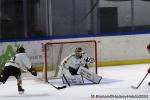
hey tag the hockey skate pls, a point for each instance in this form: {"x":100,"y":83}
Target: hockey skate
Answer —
{"x":148,"y":83}
{"x":20,"y":90}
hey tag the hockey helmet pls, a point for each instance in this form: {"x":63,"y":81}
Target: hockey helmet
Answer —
{"x":78,"y":52}
{"x":78,"y":49}
{"x":20,"y":49}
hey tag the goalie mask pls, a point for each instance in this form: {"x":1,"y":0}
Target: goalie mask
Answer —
{"x":20,"y":49}
{"x":78,"y":52}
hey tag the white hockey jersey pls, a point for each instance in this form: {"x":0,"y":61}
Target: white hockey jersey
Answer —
{"x":73,"y":62}
{"x":20,"y":60}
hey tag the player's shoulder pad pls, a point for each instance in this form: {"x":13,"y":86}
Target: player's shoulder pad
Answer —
{"x":67,"y":59}
{"x":70,"y":56}
{"x":83,"y":53}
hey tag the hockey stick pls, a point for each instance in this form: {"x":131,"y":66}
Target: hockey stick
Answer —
{"x":58,"y":88}
{"x":66,"y":80}
{"x":136,"y":87}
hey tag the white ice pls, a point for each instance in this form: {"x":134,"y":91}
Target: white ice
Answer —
{"x":117,"y":81}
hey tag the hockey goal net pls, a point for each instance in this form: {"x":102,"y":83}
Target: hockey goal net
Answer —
{"x":55,"y":52}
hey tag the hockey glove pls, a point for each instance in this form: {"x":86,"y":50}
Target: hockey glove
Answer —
{"x":148,"y":70}
{"x":32,"y":71}
{"x":89,"y":60}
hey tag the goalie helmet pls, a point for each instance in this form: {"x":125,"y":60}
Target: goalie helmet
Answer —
{"x":78,"y":52}
{"x":20,"y":49}
{"x":78,"y":49}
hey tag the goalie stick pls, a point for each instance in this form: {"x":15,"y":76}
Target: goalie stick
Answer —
{"x":66,"y":80}
{"x":58,"y":88}
{"x":136,"y":87}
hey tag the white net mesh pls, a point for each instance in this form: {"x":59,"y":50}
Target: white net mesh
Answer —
{"x":56,"y":52}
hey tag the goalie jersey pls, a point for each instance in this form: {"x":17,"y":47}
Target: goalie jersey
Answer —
{"x":74,"y":63}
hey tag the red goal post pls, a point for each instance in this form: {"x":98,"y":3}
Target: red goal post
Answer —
{"x":54,"y":52}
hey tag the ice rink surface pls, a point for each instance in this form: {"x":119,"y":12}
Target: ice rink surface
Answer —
{"x":115,"y":85}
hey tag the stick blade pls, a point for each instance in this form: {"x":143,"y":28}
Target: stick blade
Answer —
{"x":61,"y":87}
{"x":133,"y":87}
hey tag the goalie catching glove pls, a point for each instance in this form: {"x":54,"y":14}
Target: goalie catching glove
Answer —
{"x":32,"y":71}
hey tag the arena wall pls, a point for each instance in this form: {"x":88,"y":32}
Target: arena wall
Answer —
{"x":111,"y":50}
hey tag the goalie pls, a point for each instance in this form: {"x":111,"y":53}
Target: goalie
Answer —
{"x":13,"y":68}
{"x":76,"y":65}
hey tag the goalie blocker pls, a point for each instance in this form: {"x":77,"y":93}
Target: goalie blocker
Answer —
{"x":82,"y":73}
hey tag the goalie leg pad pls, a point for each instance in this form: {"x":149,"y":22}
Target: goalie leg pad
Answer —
{"x":74,"y":80}
{"x":89,"y":75}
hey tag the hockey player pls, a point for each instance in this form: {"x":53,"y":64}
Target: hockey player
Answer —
{"x":74,"y":61}
{"x":77,"y":64}
{"x":148,"y":48}
{"x":13,"y":68}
